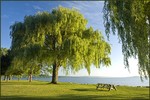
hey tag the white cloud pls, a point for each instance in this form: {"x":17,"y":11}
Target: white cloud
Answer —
{"x":92,"y":11}
{"x":4,"y":16}
{"x":12,"y":22}
{"x":37,"y":7}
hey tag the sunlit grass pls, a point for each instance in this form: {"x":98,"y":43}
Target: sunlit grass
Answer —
{"x":18,"y":90}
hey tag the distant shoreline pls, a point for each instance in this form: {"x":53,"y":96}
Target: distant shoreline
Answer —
{"x":121,"y":81}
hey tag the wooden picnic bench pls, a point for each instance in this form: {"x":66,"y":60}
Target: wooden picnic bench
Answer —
{"x":108,"y":86}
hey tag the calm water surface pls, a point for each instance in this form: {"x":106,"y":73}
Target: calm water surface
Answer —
{"x":129,"y":81}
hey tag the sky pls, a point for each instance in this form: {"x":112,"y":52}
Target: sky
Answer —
{"x":12,"y":11}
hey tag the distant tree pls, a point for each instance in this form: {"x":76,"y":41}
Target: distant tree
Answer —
{"x":130,"y":20}
{"x":24,"y":56}
{"x":14,"y":72}
{"x":5,"y":62}
{"x":59,"y":39}
{"x":25,"y":66}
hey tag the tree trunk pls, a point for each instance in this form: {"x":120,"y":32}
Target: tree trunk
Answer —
{"x":30,"y":77}
{"x":55,"y":73}
{"x":4,"y":77}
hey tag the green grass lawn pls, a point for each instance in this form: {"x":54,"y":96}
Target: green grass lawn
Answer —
{"x":37,"y":90}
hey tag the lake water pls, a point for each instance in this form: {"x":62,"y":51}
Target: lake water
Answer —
{"x":128,"y":81}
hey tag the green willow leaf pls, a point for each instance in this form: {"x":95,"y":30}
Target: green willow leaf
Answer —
{"x":130,"y":20}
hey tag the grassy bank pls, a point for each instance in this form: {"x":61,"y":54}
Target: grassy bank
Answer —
{"x":36,"y":90}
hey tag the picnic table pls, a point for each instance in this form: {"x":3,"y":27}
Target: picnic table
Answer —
{"x":104,"y":85}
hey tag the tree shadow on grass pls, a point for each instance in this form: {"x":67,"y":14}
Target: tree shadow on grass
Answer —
{"x":92,"y":89}
{"x":83,"y":89}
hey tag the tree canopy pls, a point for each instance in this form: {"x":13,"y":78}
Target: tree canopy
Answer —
{"x":3,"y":51}
{"x":58,"y":39}
{"x":130,"y":20}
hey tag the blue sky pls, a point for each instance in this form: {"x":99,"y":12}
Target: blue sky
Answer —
{"x":12,"y":11}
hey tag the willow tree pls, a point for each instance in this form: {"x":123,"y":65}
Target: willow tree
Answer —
{"x":62,"y":40}
{"x":130,"y":20}
{"x":25,"y":56}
